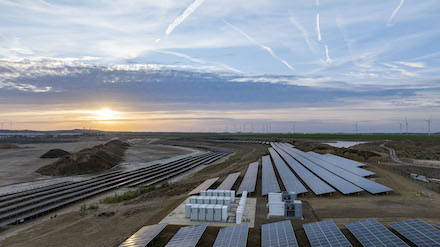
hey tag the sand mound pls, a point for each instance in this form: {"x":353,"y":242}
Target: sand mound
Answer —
{"x":91,"y":160}
{"x":8,"y":146}
{"x":54,"y":153}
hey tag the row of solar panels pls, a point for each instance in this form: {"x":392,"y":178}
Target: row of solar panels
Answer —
{"x":368,"y":232}
{"x":280,"y":234}
{"x":320,"y":175}
{"x":189,"y":236}
{"x":24,"y":205}
{"x":238,"y":141}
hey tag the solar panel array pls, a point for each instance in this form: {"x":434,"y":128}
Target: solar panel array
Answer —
{"x":418,"y":232}
{"x":438,"y":225}
{"x":187,"y":236}
{"x":371,"y":233}
{"x":233,"y":236}
{"x":366,"y":184}
{"x":345,"y":160}
{"x":203,"y":186}
{"x":349,"y":167}
{"x":229,"y":181}
{"x":250,"y":179}
{"x":325,"y":233}
{"x":337,"y":182}
{"x":290,"y":181}
{"x":278,"y":234}
{"x":318,"y":186}
{"x":144,"y":236}
{"x":269,"y":179}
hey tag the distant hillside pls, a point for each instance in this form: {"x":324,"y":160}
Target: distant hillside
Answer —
{"x":91,"y":160}
{"x":8,"y":146}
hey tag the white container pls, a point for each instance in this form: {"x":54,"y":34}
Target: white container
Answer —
{"x":221,"y":192}
{"x":199,"y":200}
{"x":220,"y":200}
{"x":193,"y":199}
{"x":206,"y":199}
{"x":232,"y":195}
{"x":213,"y":200}
{"x":210,"y":212}
{"x":202,"y":212}
{"x":195,"y":212}
{"x":203,"y":193}
{"x":238,"y":216}
{"x":218,"y":213}
{"x":188,"y":210}
{"x":209,"y":193}
{"x":225,"y":213}
{"x":277,"y":209}
{"x":275,"y":197}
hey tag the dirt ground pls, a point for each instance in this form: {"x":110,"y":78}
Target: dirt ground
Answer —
{"x":71,"y":229}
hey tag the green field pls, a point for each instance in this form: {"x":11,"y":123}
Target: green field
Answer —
{"x":334,"y":136}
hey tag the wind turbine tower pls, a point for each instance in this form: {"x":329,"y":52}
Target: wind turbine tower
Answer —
{"x":428,"y":121}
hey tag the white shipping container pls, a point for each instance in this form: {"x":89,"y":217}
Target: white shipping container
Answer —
{"x":202,"y":212}
{"x":188,"y":210}
{"x":213,"y":200}
{"x":218,"y":213}
{"x":199,"y":200}
{"x":275,"y":197}
{"x":203,"y":193}
{"x":194,"y":212}
{"x":277,"y":208}
{"x":210,"y":212}
{"x":298,"y":209}
{"x":238,"y":216}
{"x":225,"y":213}
{"x":193,"y":199}
{"x":206,"y":199}
{"x":209,"y":193}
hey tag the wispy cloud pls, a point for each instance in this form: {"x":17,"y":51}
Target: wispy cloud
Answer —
{"x":318,"y":28}
{"x":395,"y":12}
{"x":413,"y":64}
{"x":268,"y":49}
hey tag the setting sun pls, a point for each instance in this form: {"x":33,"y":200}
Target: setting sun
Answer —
{"x":106,"y":114}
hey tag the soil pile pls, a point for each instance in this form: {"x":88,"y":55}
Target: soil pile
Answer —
{"x":8,"y":146}
{"x":345,"y":152}
{"x":54,"y":153}
{"x":91,"y":160}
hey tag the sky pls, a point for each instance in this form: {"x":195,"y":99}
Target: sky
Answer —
{"x":230,"y":65}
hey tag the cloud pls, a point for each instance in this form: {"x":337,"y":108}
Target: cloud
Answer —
{"x":318,"y":29}
{"x":413,"y":64}
{"x":268,"y":49}
{"x":188,"y":11}
{"x":328,"y":59}
{"x":395,"y":12}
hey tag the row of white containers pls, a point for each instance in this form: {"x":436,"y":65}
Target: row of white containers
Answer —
{"x":240,"y":208}
{"x":226,"y":193}
{"x":206,"y":212}
{"x":216,"y":200}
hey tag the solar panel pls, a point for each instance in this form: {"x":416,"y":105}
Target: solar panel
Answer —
{"x":233,"y":236}
{"x":342,"y":159}
{"x":250,"y":179}
{"x":290,"y":181}
{"x":353,"y":169}
{"x":337,"y":182}
{"x":438,"y":225}
{"x":278,"y":234}
{"x":371,"y":233}
{"x":144,"y":236}
{"x":229,"y":181}
{"x":269,"y":179}
{"x":318,"y":186}
{"x":418,"y":232}
{"x":366,"y":184}
{"x":203,"y":186}
{"x":187,"y":236}
{"x":325,"y":233}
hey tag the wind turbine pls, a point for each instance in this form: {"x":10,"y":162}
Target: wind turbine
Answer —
{"x":428,"y":121}
{"x":406,"y":124}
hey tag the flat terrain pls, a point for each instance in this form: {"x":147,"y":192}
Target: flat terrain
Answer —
{"x":111,"y":224}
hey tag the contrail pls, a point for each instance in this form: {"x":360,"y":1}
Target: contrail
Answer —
{"x":395,"y":12}
{"x":268,"y":49}
{"x":318,"y":29}
{"x":328,"y":59}
{"x":302,"y":30}
{"x":188,"y":11}
{"x":196,"y":60}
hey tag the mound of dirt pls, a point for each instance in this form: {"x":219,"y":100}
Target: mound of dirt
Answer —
{"x":345,"y":152}
{"x":54,"y":153}
{"x":90,"y":160}
{"x":8,"y":146}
